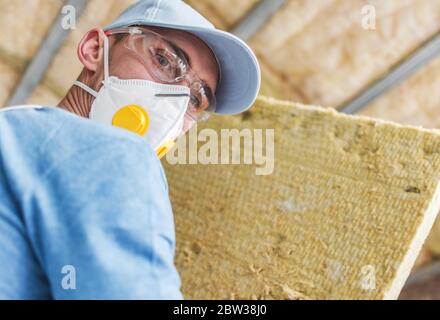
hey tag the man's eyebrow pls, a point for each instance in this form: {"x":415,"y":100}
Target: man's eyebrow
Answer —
{"x":181,"y":53}
{"x":184,"y":56}
{"x":208,"y":91}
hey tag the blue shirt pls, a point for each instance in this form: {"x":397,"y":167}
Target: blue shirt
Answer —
{"x":84,"y":211}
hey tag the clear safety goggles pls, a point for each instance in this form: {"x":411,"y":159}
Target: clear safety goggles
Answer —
{"x":166,"y":62}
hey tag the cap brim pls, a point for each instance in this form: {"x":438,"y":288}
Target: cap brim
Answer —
{"x":239,"y":69}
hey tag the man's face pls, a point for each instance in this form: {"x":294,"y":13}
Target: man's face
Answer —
{"x":202,"y":61}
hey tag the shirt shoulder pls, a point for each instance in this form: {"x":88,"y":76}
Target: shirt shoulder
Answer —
{"x":36,"y":139}
{"x":50,"y":124}
{"x":86,"y":195}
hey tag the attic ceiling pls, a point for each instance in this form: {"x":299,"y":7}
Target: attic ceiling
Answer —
{"x":310,"y":51}
{"x":314,"y":52}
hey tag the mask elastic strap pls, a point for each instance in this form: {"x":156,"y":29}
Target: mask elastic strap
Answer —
{"x":86,"y":88}
{"x":106,"y":59}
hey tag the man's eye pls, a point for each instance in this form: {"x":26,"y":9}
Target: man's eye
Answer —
{"x":163,"y":61}
{"x":195,"y":102}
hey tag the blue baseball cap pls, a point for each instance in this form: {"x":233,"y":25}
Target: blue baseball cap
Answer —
{"x":240,"y":76}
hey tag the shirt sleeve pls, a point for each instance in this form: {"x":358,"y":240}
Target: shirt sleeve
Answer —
{"x":101,"y":225}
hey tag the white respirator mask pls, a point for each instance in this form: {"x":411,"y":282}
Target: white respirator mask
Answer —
{"x":153,"y":110}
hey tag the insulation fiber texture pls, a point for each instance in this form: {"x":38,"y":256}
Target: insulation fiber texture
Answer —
{"x":343,"y":215}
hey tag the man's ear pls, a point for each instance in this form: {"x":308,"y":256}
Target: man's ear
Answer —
{"x":91,"y":49}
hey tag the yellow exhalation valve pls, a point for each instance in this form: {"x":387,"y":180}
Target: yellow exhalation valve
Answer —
{"x":133,"y":118}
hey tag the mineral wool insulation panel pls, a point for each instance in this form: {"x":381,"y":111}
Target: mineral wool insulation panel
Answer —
{"x":343,"y":216}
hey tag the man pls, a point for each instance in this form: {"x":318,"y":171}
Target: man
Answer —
{"x":84,"y":207}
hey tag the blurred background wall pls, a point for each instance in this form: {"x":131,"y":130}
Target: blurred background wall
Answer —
{"x":311,"y":51}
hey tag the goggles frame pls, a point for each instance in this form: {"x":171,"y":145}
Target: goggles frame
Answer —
{"x":189,"y":76}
